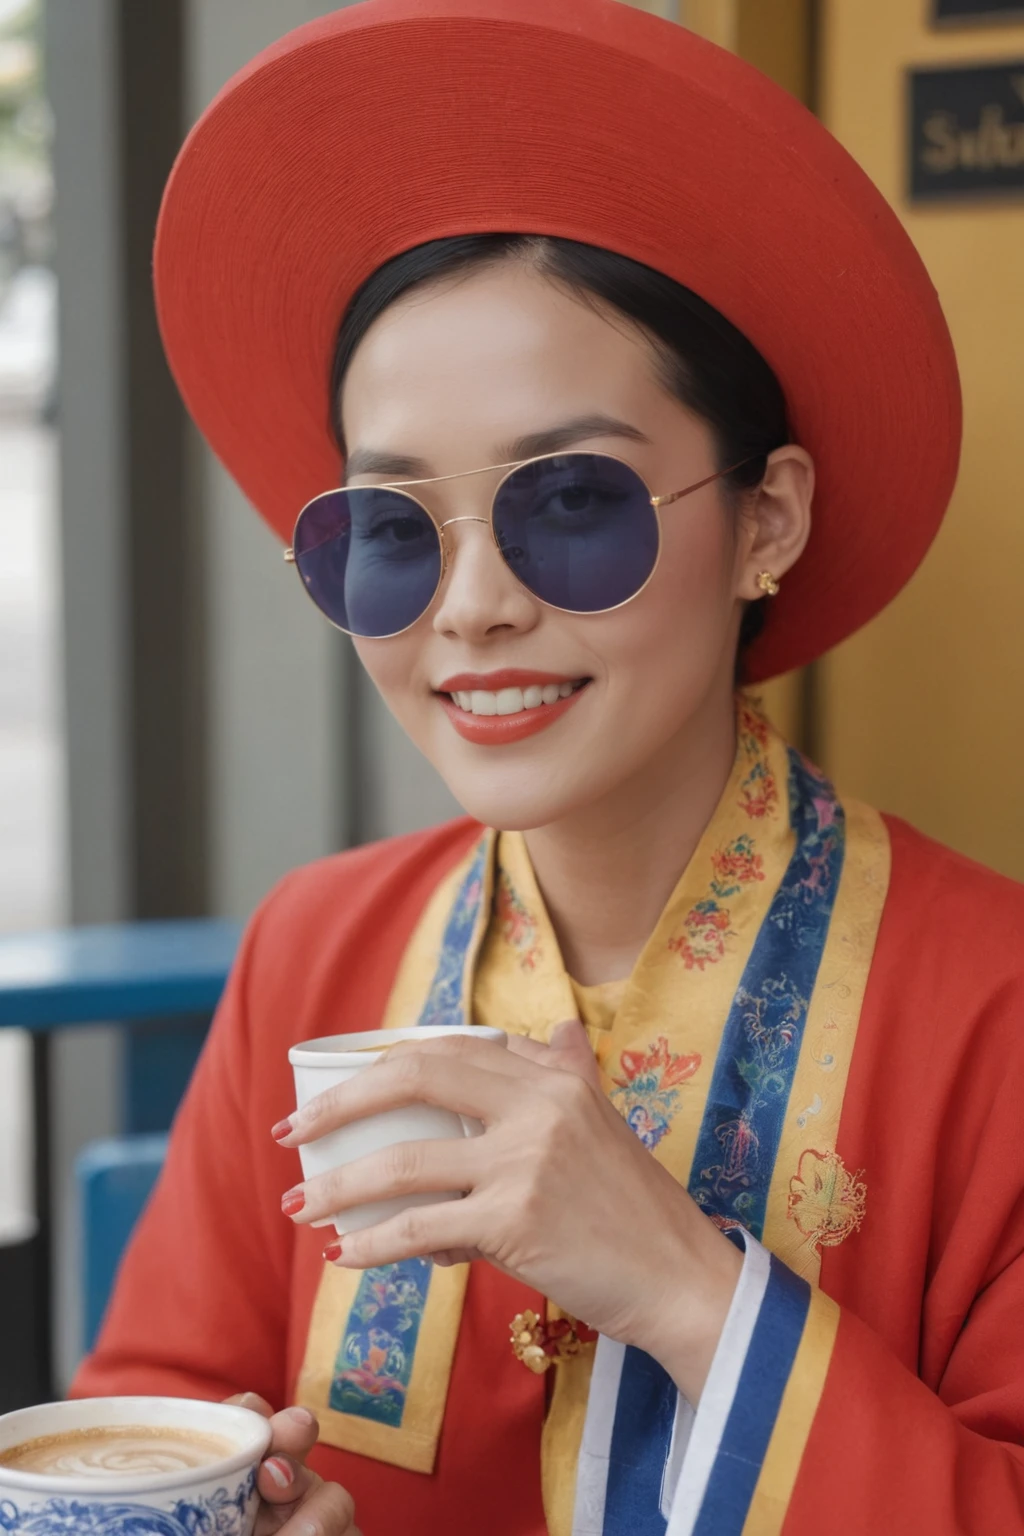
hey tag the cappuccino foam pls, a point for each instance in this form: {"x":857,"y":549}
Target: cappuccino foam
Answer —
{"x":117,"y":1450}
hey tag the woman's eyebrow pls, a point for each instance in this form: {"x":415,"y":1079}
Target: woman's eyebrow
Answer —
{"x":531,"y":445}
{"x":576,"y":430}
{"x":381,"y":461}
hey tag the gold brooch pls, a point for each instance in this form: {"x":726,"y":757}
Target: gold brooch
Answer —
{"x":539,"y":1344}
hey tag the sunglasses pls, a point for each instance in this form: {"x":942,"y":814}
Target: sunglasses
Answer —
{"x":580,"y":531}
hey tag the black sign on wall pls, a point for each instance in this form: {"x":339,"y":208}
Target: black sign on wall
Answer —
{"x":978,"y":10}
{"x":967,"y":131}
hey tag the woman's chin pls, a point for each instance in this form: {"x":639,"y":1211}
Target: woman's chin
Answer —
{"x":519,"y":797}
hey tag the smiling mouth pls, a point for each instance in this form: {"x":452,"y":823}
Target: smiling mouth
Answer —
{"x":485,"y":702}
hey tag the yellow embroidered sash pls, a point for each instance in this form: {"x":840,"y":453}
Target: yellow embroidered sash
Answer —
{"x":727,"y":1051}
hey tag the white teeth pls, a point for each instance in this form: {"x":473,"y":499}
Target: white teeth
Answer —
{"x":511,"y":701}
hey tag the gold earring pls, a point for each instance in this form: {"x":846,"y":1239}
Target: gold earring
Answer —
{"x":767,"y":583}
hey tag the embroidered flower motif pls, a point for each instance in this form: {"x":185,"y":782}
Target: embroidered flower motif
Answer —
{"x":518,"y":925}
{"x":759,"y":794}
{"x":707,"y":925}
{"x":736,"y":865}
{"x":647,"y":1094}
{"x":826,"y":1201}
{"x":374,"y":1363}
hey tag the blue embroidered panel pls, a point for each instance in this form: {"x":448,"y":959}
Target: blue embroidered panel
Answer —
{"x":374,"y":1363}
{"x":445,"y":1002}
{"x":739,"y":1138}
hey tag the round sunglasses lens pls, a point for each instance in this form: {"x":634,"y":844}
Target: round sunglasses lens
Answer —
{"x":370,"y":559}
{"x":578,"y":530}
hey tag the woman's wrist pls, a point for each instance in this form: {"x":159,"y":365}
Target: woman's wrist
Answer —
{"x":687,"y":1310}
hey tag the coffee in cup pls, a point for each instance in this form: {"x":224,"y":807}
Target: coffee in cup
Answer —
{"x":117,"y":1450}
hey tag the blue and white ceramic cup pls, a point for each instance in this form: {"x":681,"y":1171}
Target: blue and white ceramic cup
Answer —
{"x":217,"y":1497}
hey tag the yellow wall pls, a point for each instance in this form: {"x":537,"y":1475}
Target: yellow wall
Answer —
{"x":923,"y":712}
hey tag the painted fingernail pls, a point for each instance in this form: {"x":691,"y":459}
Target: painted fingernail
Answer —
{"x":282,"y":1129}
{"x":280,"y":1471}
{"x":333,"y":1251}
{"x":292,"y":1202}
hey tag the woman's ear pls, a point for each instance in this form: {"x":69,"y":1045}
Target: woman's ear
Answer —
{"x":776,"y":521}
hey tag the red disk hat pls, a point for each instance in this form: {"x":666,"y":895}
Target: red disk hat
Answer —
{"x":394,"y":122}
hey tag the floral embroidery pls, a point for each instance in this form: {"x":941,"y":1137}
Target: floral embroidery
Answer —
{"x":759,"y":794}
{"x":517,"y":924}
{"x":707,"y":924}
{"x":445,"y":1003}
{"x":647,"y":1093}
{"x":769,"y":1033}
{"x":220,"y":1514}
{"x":750,"y":1086}
{"x":736,"y":865}
{"x":826,"y":1201}
{"x":374,"y":1364}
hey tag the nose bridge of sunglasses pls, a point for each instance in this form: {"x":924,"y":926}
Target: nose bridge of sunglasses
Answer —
{"x":451,"y":537}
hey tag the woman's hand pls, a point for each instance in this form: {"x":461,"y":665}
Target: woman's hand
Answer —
{"x":294,"y":1501}
{"x":559,"y":1192}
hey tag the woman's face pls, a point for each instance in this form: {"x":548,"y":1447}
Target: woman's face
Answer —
{"x":454,"y":377}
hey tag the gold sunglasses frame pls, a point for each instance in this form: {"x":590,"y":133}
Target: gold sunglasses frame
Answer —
{"x":657,"y":502}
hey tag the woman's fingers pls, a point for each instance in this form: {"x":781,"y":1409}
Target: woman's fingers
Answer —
{"x":253,"y":1401}
{"x":452,"y":1226}
{"x":450,"y":1256}
{"x":321,"y":1509}
{"x":571,"y":1051}
{"x":283,"y":1480}
{"x":295,"y":1433}
{"x":405,"y":1168}
{"x":410,"y":1076}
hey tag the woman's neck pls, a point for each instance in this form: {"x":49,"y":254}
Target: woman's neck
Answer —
{"x":607,"y":871}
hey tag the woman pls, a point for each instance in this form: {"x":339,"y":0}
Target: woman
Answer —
{"x":636,"y":385}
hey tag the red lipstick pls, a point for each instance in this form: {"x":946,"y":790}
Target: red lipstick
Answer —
{"x":503,"y":730}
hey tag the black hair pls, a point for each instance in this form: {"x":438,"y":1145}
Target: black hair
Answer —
{"x":705,"y":361}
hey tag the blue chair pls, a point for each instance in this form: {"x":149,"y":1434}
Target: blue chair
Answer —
{"x":168,"y":974}
{"x":114,"y":1179}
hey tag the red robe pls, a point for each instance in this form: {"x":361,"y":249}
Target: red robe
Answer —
{"x":921,"y":1421}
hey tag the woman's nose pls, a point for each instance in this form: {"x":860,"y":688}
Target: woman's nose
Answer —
{"x":479,"y":594}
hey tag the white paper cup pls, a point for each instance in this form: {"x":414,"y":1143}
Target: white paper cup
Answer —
{"x":320,"y":1064}
{"x":220,"y":1496}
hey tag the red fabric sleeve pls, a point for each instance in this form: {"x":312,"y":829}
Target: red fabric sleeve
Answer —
{"x":214,"y":1292}
{"x":203,"y":1293}
{"x":921,"y":1421}
{"x":886,"y":1454}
